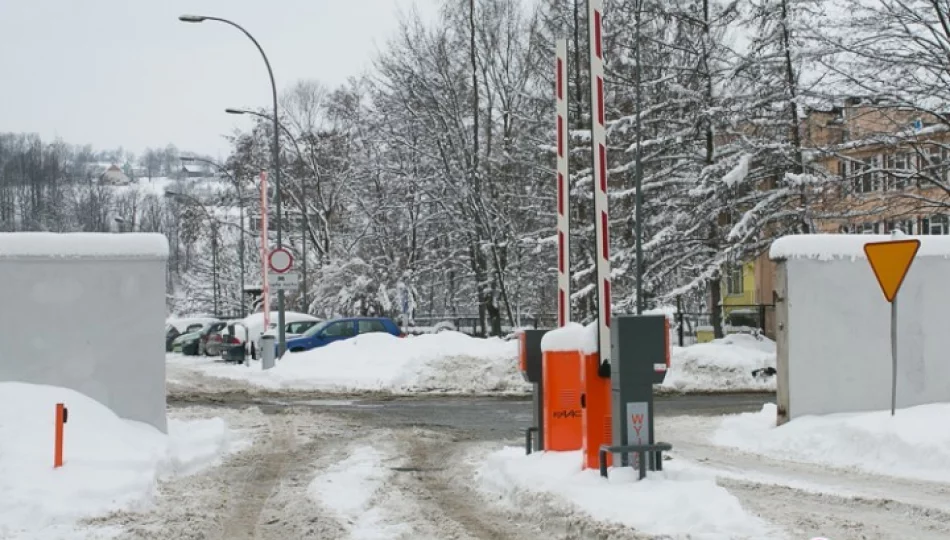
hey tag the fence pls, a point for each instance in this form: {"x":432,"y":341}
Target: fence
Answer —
{"x":471,"y":324}
{"x":689,"y":327}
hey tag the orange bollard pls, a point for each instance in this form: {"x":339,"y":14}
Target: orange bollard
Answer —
{"x":561,"y":376}
{"x":597,"y":428}
{"x":61,"y":414}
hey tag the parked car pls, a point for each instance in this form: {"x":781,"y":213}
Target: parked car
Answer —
{"x":220,"y":340}
{"x":205,"y":335}
{"x":190,"y":344}
{"x":173,"y":336}
{"x":250,"y":329}
{"x":256,"y":331}
{"x":340,"y":329}
{"x":177,"y":327}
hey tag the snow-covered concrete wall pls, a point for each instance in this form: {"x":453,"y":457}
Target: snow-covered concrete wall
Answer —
{"x":86,"y":312}
{"x":834,"y":351}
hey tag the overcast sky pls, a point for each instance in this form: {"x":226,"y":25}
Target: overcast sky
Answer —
{"x":128,"y":73}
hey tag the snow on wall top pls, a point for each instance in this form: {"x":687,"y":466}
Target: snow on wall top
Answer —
{"x":826,"y":247}
{"x":42,"y":245}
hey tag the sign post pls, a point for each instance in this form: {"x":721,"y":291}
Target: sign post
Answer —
{"x":890,"y":261}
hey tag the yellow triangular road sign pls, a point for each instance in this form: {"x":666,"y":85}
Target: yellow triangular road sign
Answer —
{"x":890,"y":262}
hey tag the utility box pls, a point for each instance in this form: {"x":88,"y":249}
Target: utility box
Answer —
{"x":530,"y":365}
{"x":530,"y":357}
{"x":639,"y":352}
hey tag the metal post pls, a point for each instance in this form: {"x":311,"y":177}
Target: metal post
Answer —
{"x":893,"y":355}
{"x":303,"y":255}
{"x":241,"y":249}
{"x":214,"y":265}
{"x":638,"y":216}
{"x":679,"y":319}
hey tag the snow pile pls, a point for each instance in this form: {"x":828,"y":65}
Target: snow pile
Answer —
{"x":915,"y":443}
{"x":351,"y":487}
{"x":825,"y":247}
{"x":444,"y":362}
{"x":566,"y":338}
{"x":109,"y":463}
{"x":676,"y":503}
{"x":83,"y":245}
{"x":722,"y":365}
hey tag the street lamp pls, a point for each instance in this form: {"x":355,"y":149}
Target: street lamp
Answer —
{"x":282,"y":335}
{"x":214,"y":241}
{"x":240,"y":195}
{"x":303,"y":206}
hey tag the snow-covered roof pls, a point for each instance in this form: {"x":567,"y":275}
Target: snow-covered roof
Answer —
{"x":825,"y":247}
{"x":28,"y":245}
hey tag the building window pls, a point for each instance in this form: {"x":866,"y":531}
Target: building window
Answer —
{"x":935,"y":225}
{"x":905,"y":225}
{"x":866,"y":175}
{"x":734,"y":280}
{"x":867,"y":228}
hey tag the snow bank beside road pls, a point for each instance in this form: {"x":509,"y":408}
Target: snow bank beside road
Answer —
{"x":721,"y":365}
{"x":913,"y":444}
{"x":445,"y":362}
{"x":109,"y":463}
{"x":673,"y":503}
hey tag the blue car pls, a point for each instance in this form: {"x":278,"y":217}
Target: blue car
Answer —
{"x":340,"y":329}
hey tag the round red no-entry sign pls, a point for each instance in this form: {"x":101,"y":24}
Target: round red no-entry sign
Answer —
{"x":280,"y":260}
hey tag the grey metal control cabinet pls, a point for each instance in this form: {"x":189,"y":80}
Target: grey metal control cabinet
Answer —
{"x":533,"y":355}
{"x":532,"y":373}
{"x":638,"y":349}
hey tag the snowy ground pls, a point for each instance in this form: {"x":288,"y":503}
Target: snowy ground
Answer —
{"x":445,"y":362}
{"x":109,"y":463}
{"x":411,"y":468}
{"x":915,"y":443}
{"x":721,"y":365}
{"x":451,"y":362}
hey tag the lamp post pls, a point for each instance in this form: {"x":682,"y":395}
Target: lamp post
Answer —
{"x":214,"y":241}
{"x":240,"y":195}
{"x":303,"y":208}
{"x":282,"y":335}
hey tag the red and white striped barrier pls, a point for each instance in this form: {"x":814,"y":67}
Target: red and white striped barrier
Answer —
{"x":563,"y":192}
{"x":599,"y":147}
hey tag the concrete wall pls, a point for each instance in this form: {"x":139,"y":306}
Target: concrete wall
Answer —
{"x":834,"y":335}
{"x":89,"y":319}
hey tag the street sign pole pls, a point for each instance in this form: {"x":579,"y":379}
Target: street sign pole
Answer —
{"x":893,"y":355}
{"x":890,"y":261}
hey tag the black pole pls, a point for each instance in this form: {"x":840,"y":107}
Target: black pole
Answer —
{"x":639,"y":165}
{"x":214,"y":265}
{"x":679,"y":319}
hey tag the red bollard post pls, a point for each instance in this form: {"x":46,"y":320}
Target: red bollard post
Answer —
{"x":58,"y":444}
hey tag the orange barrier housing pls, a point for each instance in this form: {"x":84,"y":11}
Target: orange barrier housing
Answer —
{"x":597,"y":428}
{"x":561,"y":376}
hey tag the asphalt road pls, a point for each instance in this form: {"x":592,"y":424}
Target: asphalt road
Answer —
{"x":474,"y":418}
